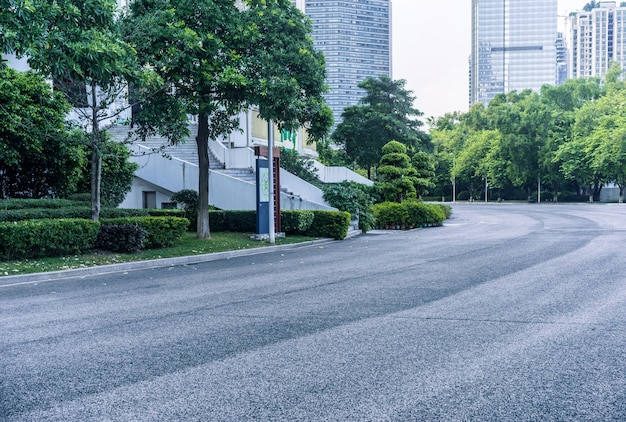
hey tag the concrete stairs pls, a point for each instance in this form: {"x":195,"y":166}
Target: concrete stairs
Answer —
{"x":185,"y":151}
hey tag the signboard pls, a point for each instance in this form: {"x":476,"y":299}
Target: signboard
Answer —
{"x":288,"y":139}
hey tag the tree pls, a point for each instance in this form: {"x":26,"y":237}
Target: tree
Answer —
{"x":424,"y":166}
{"x":384,"y":114}
{"x":397,"y":176}
{"x":39,"y":156}
{"x":80,"y":49}
{"x":217,"y":60}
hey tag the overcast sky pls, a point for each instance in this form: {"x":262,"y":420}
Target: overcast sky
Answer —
{"x":431,"y":48}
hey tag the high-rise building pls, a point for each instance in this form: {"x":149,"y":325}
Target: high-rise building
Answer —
{"x":513,"y":47}
{"x":355,"y":37}
{"x":597,"y":38}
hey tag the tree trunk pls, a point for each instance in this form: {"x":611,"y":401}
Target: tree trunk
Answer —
{"x":621,"y":193}
{"x":202,"y":141}
{"x":96,"y":157}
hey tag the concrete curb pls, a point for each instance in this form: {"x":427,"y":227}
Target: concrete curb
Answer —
{"x":155,"y":263}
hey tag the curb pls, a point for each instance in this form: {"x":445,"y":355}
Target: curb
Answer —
{"x":155,"y":263}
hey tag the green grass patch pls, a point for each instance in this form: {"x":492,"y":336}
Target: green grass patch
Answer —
{"x":187,"y":245}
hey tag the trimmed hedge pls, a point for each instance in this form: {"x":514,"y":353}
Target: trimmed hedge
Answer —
{"x":47,"y":237}
{"x":19,"y":204}
{"x":296,"y":221}
{"x":162,"y":231}
{"x":82,"y":211}
{"x":125,"y":238}
{"x":232,"y":221}
{"x":333,"y":224}
{"x":409,"y":214}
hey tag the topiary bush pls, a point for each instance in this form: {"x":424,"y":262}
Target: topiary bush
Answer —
{"x":333,"y":224}
{"x":296,"y":221}
{"x":162,"y":231}
{"x":47,"y":237}
{"x":125,"y":238}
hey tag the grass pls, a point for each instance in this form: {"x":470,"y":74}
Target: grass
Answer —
{"x":188,"y":245}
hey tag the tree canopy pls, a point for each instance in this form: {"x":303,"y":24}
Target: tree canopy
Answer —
{"x":216,"y":59}
{"x":385,"y":113}
{"x":39,"y":155}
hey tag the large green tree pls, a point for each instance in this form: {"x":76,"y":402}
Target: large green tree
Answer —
{"x":39,"y":156}
{"x":79,"y":48}
{"x":385,"y":113}
{"x":216,"y":59}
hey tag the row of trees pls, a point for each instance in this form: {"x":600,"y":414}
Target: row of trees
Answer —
{"x":569,"y":137}
{"x":210,"y":58}
{"x":565,"y":140}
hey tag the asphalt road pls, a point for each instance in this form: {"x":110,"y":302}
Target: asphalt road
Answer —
{"x":507,"y":312}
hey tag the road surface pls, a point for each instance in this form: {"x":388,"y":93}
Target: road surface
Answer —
{"x":507,"y":312}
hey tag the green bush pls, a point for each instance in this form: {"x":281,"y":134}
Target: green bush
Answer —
{"x":166,"y":212}
{"x":125,"y":238}
{"x":409,"y":214}
{"x":188,"y":198}
{"x":355,"y":198}
{"x":68,"y":212}
{"x":232,"y":221}
{"x":47,"y":237}
{"x":389,"y":215}
{"x":162,"y":231}
{"x":20,"y":204}
{"x":334,"y":224}
{"x":296,"y":221}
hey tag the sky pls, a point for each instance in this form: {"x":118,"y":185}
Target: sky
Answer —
{"x":431,"y":48}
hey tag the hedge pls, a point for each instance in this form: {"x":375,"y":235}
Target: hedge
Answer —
{"x":18,"y":204}
{"x":296,"y":221}
{"x":47,"y":237}
{"x":334,"y":224}
{"x":409,"y":214}
{"x":124,"y":238}
{"x":83,"y":211}
{"x":162,"y":231}
{"x":232,"y":221}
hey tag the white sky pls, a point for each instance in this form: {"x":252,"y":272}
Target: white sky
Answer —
{"x":431,"y":48}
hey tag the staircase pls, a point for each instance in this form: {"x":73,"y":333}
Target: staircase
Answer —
{"x":187,"y":151}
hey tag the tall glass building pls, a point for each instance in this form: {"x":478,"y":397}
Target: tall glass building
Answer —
{"x":513,"y":47}
{"x":355,"y":37}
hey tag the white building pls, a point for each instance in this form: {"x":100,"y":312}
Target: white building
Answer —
{"x":597,"y":38}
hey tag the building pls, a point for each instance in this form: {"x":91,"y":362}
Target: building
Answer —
{"x":514,"y":47}
{"x":355,"y":37}
{"x":597,"y":38}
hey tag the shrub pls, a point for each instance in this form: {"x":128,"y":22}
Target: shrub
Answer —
{"x":166,"y":212}
{"x":409,"y":214}
{"x":390,"y":215}
{"x":296,"y":221}
{"x":334,"y":224}
{"x":20,"y":204}
{"x":232,"y":221}
{"x":188,"y":198}
{"x":125,"y":238}
{"x":47,"y":237}
{"x":162,"y":231}
{"x":353,"y":197}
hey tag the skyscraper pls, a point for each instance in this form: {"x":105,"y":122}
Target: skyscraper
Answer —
{"x":597,"y":38}
{"x":355,"y":37}
{"x":513,"y":47}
